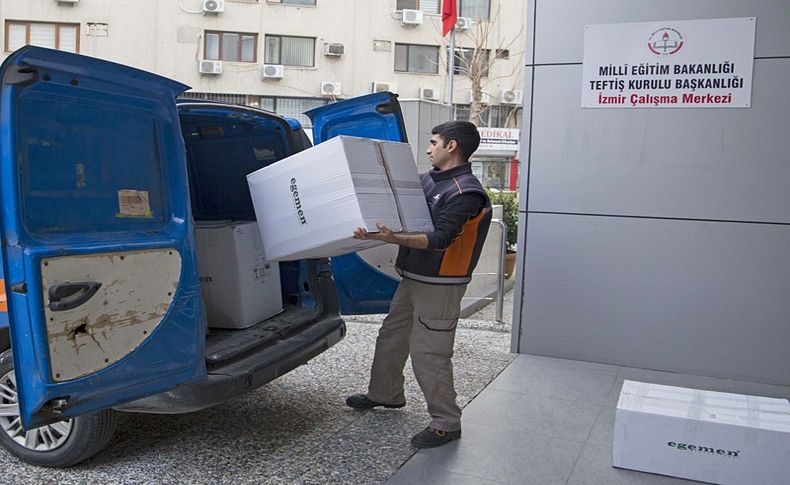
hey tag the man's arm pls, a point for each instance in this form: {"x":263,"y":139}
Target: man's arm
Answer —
{"x":447,"y":228}
{"x":451,"y":220}
{"x":410,"y":240}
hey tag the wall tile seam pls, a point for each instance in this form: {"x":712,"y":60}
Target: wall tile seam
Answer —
{"x":579,"y":63}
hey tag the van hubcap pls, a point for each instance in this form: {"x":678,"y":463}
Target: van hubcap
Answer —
{"x":45,"y":438}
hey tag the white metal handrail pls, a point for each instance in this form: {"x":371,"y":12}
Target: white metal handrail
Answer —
{"x":500,"y":289}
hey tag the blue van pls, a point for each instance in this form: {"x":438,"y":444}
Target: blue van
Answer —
{"x":103,"y":174}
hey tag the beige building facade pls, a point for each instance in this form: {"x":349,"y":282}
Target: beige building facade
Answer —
{"x":285,"y":55}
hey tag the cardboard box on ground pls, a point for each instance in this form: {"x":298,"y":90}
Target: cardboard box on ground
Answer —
{"x":240,"y":288}
{"x":309,"y":204}
{"x":713,"y":437}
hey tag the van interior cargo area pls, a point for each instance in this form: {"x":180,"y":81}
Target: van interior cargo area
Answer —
{"x":223,"y":145}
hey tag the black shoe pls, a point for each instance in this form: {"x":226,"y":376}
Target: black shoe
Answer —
{"x":361,"y":401}
{"x":431,"y":438}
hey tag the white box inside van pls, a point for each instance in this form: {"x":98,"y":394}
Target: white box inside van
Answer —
{"x":240,"y":287}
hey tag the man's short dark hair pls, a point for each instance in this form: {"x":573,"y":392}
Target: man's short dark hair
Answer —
{"x":463,"y":132}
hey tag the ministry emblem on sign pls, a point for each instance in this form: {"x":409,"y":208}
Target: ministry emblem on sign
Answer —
{"x":665,"y":41}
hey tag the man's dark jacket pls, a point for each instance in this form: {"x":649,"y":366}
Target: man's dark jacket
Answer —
{"x":461,"y":214}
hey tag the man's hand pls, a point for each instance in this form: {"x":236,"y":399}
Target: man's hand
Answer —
{"x":385,"y":234}
{"x":418,"y":241}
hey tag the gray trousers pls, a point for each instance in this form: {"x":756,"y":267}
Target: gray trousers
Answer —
{"x":421,"y":322}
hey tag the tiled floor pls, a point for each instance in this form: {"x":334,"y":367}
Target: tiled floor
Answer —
{"x":550,"y":421}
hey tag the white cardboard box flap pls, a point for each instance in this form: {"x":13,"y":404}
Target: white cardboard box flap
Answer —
{"x":406,"y":186}
{"x":711,"y":406}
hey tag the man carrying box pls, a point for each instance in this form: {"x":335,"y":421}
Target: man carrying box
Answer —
{"x":436,"y":268}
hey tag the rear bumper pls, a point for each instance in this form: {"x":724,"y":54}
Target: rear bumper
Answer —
{"x":236,"y":379}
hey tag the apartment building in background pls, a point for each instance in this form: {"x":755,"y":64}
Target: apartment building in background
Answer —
{"x":288,"y":56}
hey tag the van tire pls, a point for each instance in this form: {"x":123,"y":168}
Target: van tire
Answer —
{"x":88,"y":434}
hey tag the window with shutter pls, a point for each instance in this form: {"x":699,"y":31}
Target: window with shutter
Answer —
{"x":427,"y":6}
{"x":230,"y":46}
{"x":289,"y":51}
{"x":54,"y":35}
{"x":476,"y":9}
{"x":417,"y":58}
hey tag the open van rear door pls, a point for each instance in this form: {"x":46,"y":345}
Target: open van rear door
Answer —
{"x":364,"y":285}
{"x":98,"y":247}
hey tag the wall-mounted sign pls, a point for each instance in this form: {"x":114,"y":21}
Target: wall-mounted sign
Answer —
{"x":498,"y":140}
{"x":674,"y":64}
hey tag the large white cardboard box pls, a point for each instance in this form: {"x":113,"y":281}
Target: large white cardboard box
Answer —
{"x":309,"y":204}
{"x":240,"y":288}
{"x":713,"y":437}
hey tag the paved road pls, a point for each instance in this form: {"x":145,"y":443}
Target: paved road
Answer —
{"x":295,"y":430}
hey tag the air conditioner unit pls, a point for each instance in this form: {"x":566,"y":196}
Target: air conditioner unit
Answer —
{"x":463,"y":23}
{"x":213,"y":6}
{"x":429,"y":93}
{"x":334,"y":49}
{"x":485,"y":98}
{"x":411,"y":17}
{"x":272,"y":71}
{"x":210,"y":67}
{"x":511,"y":96}
{"x":381,"y":86}
{"x":330,"y":88}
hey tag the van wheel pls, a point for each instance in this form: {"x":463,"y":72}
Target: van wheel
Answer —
{"x":60,"y":444}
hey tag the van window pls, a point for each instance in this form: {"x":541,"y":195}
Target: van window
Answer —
{"x":87,"y":165}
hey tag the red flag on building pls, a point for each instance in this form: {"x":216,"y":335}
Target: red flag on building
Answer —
{"x":449,"y":16}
